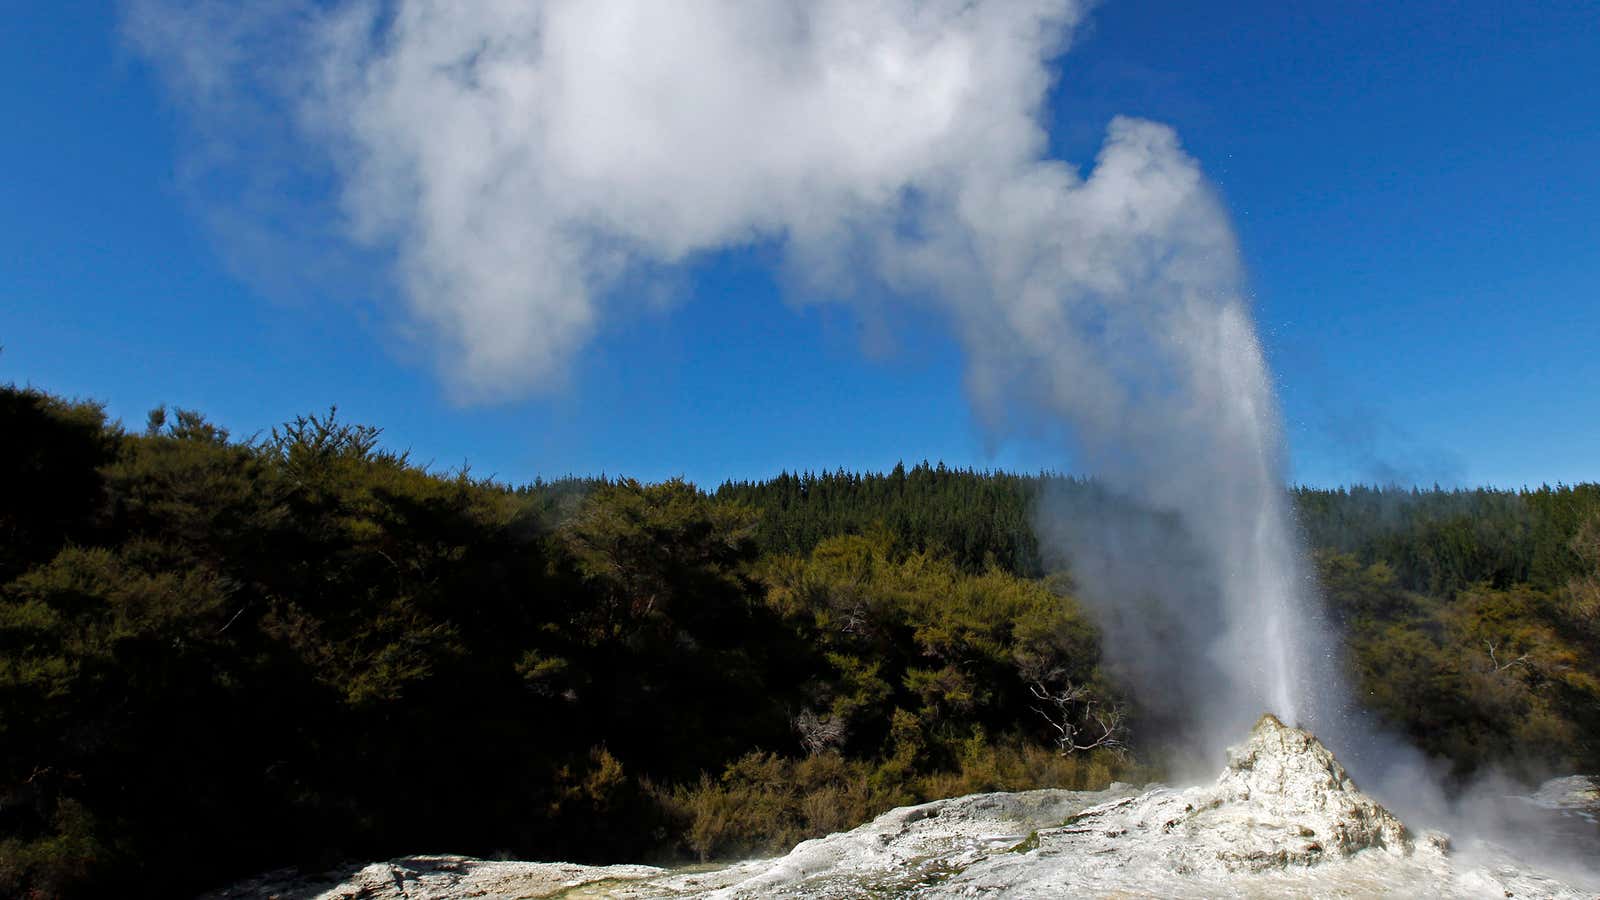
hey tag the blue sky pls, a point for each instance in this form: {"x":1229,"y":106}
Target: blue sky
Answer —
{"x":1416,"y":191}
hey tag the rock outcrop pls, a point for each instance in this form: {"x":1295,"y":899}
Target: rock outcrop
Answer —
{"x":1577,"y":795}
{"x":1283,"y":819}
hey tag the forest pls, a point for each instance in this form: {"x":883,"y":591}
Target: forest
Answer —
{"x":220,"y":656}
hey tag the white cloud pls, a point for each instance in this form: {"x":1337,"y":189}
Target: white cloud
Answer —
{"x":520,"y":157}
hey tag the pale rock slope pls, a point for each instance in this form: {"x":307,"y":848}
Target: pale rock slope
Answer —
{"x":1283,"y":820}
{"x":1575,"y":795}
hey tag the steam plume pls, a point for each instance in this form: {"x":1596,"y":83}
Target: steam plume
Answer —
{"x":519,"y":160}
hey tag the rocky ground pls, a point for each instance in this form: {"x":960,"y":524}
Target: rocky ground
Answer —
{"x":1283,"y":820}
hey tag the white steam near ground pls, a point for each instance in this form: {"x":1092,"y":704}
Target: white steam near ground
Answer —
{"x":518,"y":162}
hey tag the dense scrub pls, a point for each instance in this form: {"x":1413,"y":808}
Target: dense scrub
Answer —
{"x":219,"y":656}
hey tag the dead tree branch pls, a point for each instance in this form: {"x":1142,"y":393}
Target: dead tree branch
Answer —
{"x":819,"y":734}
{"x":1081,"y":722}
{"x":1497,"y":665}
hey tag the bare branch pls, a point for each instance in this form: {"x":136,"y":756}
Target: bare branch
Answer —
{"x":818,"y":734}
{"x":1497,"y":665}
{"x":234,"y":619}
{"x":1081,"y":721}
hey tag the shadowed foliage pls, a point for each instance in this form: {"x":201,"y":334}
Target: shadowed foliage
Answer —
{"x":222,"y":656}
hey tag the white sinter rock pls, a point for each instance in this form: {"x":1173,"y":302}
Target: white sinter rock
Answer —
{"x":1576,"y":794}
{"x":1283,"y":820}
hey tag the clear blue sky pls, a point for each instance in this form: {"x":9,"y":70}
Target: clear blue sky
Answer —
{"x":1416,"y":188}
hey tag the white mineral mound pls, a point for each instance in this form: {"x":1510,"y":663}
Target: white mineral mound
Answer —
{"x":1283,"y":820}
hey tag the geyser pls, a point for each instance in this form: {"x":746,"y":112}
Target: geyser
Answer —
{"x":1193,"y":561}
{"x":517,"y":161}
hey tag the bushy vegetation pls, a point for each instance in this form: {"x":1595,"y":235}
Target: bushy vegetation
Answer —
{"x":1502,"y":676}
{"x":763,"y":803}
{"x":221,"y":656}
